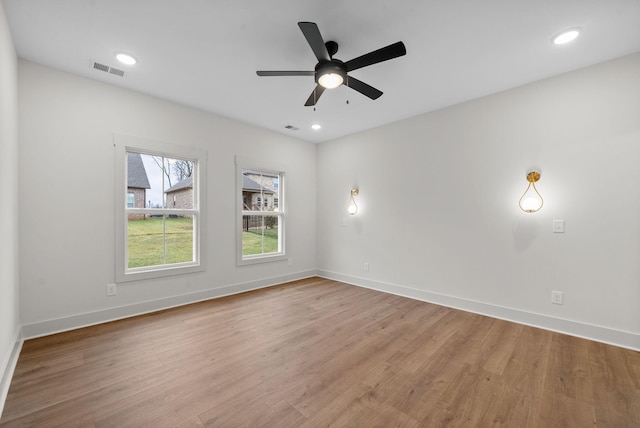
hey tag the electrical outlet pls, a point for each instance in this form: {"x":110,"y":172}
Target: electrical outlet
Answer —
{"x":366,"y":267}
{"x":111,"y":290}
{"x":556,"y":297}
{"x":290,"y":262}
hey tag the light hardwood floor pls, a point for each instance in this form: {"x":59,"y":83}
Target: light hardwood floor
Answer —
{"x":316,"y":353}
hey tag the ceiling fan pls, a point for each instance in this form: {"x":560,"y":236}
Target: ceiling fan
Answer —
{"x":330,"y":72}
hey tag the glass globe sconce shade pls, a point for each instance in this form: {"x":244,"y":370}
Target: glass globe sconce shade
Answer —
{"x":531,"y":201}
{"x":352,"y":208}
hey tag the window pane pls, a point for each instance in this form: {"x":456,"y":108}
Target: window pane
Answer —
{"x":146,"y":179}
{"x":259,"y":190}
{"x":158,"y":240}
{"x":146,"y":241}
{"x":179,"y":239}
{"x":261,"y":230}
{"x":260,"y":235}
{"x":160,"y":182}
{"x":178,"y":183}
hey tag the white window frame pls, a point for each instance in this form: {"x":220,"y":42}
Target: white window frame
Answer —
{"x":126,"y":143}
{"x":259,"y":165}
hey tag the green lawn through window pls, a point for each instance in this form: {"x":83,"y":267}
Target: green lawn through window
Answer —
{"x":252,"y":241}
{"x":147,"y":241}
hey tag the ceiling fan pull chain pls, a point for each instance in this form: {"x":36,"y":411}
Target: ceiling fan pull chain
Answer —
{"x":346,"y":91}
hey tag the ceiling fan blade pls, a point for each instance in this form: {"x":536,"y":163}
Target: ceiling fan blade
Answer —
{"x":383,"y":54}
{"x":363,"y":88}
{"x":285,"y":73}
{"x":315,"y":95}
{"x":312,"y":34}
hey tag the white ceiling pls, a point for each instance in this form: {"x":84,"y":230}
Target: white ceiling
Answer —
{"x":204,"y":53}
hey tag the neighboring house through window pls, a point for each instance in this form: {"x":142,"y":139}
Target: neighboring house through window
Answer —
{"x":180,"y":195}
{"x":137,"y":182}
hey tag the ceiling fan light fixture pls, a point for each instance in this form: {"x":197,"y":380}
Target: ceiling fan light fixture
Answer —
{"x":330,"y":80}
{"x":330,"y":74}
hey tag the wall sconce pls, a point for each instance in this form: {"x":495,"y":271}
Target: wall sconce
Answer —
{"x":353,"y":208}
{"x":531,"y":201}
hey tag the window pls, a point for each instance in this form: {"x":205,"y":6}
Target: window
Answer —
{"x":159,"y":210}
{"x":261,"y":225}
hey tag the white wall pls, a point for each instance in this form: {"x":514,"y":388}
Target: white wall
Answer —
{"x":438,"y":198}
{"x":66,"y":161}
{"x":9,"y":321}
{"x":439,"y":218}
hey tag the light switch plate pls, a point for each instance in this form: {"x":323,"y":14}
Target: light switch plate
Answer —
{"x":558,"y":226}
{"x":556,"y":297}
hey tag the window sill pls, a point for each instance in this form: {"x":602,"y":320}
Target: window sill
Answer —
{"x":262,"y":258}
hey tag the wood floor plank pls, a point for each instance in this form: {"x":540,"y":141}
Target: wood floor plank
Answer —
{"x":315,"y":353}
{"x":358,"y":407}
{"x":414,"y":354}
{"x":499,"y":344}
{"x":615,"y":375}
{"x":521,"y":385}
{"x":193,"y":422}
{"x":568,"y":371}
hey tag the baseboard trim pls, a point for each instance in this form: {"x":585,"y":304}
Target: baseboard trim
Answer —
{"x":7,"y":369}
{"x":606,"y":335}
{"x":45,"y":328}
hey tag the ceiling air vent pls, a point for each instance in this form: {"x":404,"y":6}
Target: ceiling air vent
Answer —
{"x":101,"y":67}
{"x":107,"y":69}
{"x":292,"y":128}
{"x":116,"y":72}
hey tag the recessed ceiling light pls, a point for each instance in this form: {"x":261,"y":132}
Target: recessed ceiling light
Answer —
{"x":316,"y":127}
{"x":566,"y":36}
{"x":125,"y":58}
